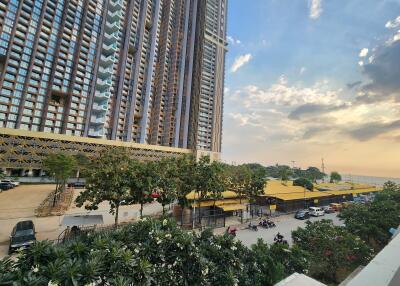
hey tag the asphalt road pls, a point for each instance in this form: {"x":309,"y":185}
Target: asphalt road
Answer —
{"x":284,"y":225}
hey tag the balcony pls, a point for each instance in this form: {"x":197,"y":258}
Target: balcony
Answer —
{"x":97,"y":120}
{"x":107,"y":61}
{"x":111,"y":38}
{"x":105,"y":73}
{"x":114,"y":16}
{"x":102,"y":85}
{"x":110,"y":49}
{"x":115,"y":5}
{"x":102,"y":96}
{"x":99,"y":108}
{"x":99,"y":132}
{"x":112,"y":27}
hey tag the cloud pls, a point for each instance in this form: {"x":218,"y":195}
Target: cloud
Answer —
{"x":315,"y":8}
{"x":354,"y":84}
{"x":383,"y":73}
{"x":393,"y":24}
{"x":371,"y":130}
{"x":240,"y":61}
{"x":363,"y":53}
{"x":233,"y":41}
{"x":314,"y":110}
{"x":281,"y":93}
{"x":303,"y":70}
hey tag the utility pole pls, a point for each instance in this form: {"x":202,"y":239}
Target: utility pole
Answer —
{"x":323,"y":168}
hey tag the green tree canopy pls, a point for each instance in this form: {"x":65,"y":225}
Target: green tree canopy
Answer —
{"x":334,"y":251}
{"x":335,"y":177}
{"x":167,"y":182}
{"x":60,"y":166}
{"x":107,"y":180}
{"x":143,"y":180}
{"x":303,"y":182}
{"x":372,"y":221}
{"x":313,"y":174}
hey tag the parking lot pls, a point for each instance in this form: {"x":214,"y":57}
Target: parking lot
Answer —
{"x":284,"y":225}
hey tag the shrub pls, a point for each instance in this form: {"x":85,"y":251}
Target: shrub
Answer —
{"x":150,"y":252}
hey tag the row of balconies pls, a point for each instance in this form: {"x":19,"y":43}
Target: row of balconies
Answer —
{"x":105,"y":72}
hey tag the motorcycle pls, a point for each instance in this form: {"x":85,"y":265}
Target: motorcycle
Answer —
{"x":279,"y":239}
{"x":271,"y":223}
{"x":252,"y":227}
{"x":263,"y":224}
{"x":231,"y":231}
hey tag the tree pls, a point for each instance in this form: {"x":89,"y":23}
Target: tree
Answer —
{"x":303,"y":182}
{"x":217,"y":181}
{"x":107,"y":180}
{"x":390,"y":186}
{"x":238,"y":179}
{"x":186,"y":166}
{"x":284,"y":172}
{"x":143,"y":180}
{"x":335,"y":177}
{"x":166,"y":185}
{"x":82,"y":162}
{"x":60,"y":166}
{"x":334,"y":251}
{"x":367,"y":221}
{"x":314,"y":174}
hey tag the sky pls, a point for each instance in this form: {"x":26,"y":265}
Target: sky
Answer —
{"x":312,"y":79}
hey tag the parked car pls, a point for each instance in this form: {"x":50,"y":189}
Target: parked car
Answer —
{"x":77,"y":185}
{"x":335,"y":206}
{"x":23,"y":235}
{"x":302,"y":214}
{"x":316,"y":211}
{"x":6,"y":186}
{"x":14,"y":183}
{"x":328,"y":209}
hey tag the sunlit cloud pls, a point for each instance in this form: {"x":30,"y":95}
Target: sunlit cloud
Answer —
{"x":315,"y":9}
{"x":363,"y":53}
{"x":233,"y":41}
{"x":240,"y":61}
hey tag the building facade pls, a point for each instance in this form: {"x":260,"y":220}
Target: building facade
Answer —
{"x":138,"y":71}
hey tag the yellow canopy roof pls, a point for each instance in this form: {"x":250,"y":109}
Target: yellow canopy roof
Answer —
{"x":302,"y":195}
{"x":274,"y":187}
{"x":342,"y":186}
{"x":319,"y":194}
{"x":232,"y":207}
{"x":358,"y":191}
{"x":218,"y":203}
{"x":225,"y":195}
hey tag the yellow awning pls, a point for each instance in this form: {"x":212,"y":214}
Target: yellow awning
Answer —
{"x":229,"y":208}
{"x":225,"y":195}
{"x":219,"y":202}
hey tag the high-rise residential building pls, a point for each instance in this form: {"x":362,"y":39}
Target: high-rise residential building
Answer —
{"x":144,"y":71}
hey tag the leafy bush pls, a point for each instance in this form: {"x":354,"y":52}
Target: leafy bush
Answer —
{"x":150,"y":252}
